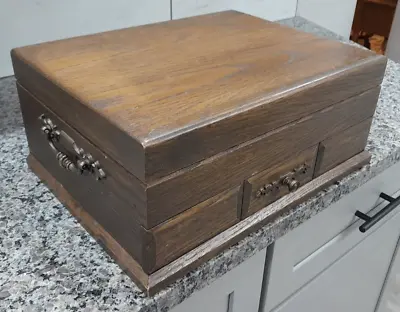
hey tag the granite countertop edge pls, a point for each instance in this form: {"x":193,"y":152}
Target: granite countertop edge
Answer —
{"x":55,"y":270}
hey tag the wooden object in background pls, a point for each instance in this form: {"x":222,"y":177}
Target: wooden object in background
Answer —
{"x":373,"y":17}
{"x":160,"y":132}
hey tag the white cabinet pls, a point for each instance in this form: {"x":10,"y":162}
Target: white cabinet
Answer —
{"x":305,"y":252}
{"x":354,"y":282}
{"x":237,"y":291}
{"x":390,"y":296}
{"x":327,"y":264}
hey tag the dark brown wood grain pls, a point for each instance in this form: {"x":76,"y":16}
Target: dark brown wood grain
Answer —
{"x":102,"y":236}
{"x":189,"y":229}
{"x":188,"y":119}
{"x":112,"y":201}
{"x":224,"y":170}
{"x":152,"y":283}
{"x":153,"y":204}
{"x":252,"y":203}
{"x":107,"y":201}
{"x":260,"y":115}
{"x":234,"y":234}
{"x":130,"y":192}
{"x":373,"y":17}
{"x":158,"y":98}
{"x":342,"y":146}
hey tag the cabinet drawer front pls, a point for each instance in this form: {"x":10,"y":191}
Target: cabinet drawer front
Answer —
{"x":342,"y":146}
{"x":310,"y":248}
{"x":273,"y":183}
{"x":189,"y":229}
{"x":275,"y":148}
{"x":354,"y":282}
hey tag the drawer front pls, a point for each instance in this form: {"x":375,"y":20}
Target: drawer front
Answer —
{"x":176,"y":236}
{"x":342,"y":146}
{"x":226,"y":170}
{"x":354,"y":282}
{"x":273,"y":183}
{"x":310,"y":248}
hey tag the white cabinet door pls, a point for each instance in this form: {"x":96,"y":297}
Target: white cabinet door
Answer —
{"x":305,"y":252}
{"x":237,"y":291}
{"x":390,"y":296}
{"x":354,"y":282}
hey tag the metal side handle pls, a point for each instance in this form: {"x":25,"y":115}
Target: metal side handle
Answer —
{"x":371,"y":221}
{"x":81,"y":162}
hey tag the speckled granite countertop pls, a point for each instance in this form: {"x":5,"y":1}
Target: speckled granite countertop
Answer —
{"x":49,"y":263}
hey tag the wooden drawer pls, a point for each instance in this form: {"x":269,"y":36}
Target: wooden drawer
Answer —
{"x":178,"y":235}
{"x":310,"y":248}
{"x":342,"y":146}
{"x":111,"y":201}
{"x":275,"y":182}
{"x":273,"y":149}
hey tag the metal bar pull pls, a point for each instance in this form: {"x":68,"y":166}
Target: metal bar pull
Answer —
{"x":371,"y":221}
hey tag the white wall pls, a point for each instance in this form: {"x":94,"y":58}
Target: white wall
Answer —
{"x":268,"y":9}
{"x":272,"y":10}
{"x":186,"y":8}
{"x":24,"y":22}
{"x":393,"y":47}
{"x":335,"y":15}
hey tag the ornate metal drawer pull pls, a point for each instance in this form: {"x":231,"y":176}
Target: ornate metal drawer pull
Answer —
{"x":81,"y":162}
{"x":290,"y":180}
{"x":291,"y":183}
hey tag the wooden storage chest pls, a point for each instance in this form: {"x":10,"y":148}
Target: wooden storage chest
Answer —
{"x":162,"y":136}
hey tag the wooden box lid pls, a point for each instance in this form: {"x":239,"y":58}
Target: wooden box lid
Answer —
{"x":158,"y":98}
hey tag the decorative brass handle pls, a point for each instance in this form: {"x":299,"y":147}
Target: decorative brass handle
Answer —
{"x":290,"y":180}
{"x":291,"y":183}
{"x":81,"y":162}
